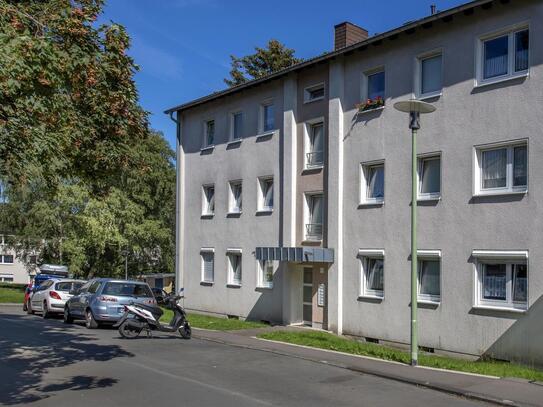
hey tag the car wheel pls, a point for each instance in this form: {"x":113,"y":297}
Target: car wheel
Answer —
{"x":45,"y":311}
{"x":29,"y":310}
{"x":90,"y":322}
{"x":67,"y":317}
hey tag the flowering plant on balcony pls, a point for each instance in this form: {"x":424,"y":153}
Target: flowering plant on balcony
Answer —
{"x":370,"y":104}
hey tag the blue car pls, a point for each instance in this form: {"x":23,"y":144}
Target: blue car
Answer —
{"x":102,"y":300}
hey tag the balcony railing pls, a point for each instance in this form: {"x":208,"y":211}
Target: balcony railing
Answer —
{"x":314,"y":159}
{"x":313,"y":231}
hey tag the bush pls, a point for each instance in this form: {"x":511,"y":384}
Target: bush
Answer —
{"x":14,"y":286}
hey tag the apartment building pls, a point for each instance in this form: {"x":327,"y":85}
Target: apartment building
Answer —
{"x":294,"y":190}
{"x":13,"y":269}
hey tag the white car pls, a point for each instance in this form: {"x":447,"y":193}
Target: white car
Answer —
{"x":51,"y":295}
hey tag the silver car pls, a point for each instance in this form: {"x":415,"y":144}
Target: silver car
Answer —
{"x":102,"y":300}
{"x":51,"y":296}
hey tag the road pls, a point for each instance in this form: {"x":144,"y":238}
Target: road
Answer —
{"x":47,"y":363}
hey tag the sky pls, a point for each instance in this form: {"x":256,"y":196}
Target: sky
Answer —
{"x":183,"y":47}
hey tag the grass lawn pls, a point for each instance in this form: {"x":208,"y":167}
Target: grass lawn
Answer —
{"x":217,"y":324}
{"x":8,"y":295}
{"x":329,"y":341}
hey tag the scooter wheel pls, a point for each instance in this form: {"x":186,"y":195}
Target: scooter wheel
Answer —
{"x":128,"y":332}
{"x":185,"y":331}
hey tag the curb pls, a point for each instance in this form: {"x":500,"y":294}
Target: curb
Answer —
{"x":402,"y":379}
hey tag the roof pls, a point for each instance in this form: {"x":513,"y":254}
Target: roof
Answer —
{"x":425,"y":22}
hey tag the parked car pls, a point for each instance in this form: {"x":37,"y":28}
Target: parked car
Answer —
{"x":51,"y":296}
{"x":159,"y":294}
{"x":102,"y":300}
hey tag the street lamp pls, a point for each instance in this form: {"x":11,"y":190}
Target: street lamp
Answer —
{"x":125,"y":254}
{"x":414,"y":108}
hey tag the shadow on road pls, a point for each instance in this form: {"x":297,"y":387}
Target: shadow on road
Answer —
{"x":29,"y":347}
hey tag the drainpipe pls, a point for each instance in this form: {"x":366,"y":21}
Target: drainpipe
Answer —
{"x":179,"y":279}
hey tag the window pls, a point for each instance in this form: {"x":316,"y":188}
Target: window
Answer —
{"x":501,"y":169}
{"x":6,"y":279}
{"x":267,"y":117}
{"x":208,"y":265}
{"x":95,"y":285}
{"x":3,"y":195}
{"x":429,"y":276}
{"x":314,"y":217}
{"x":265,"y":198}
{"x":234,"y":267}
{"x":6,"y":259}
{"x":375,"y":85}
{"x":504,"y":55}
{"x":209,"y":133}
{"x":373,"y":183}
{"x":265,"y":273}
{"x":314,"y":156}
{"x":372,"y":273}
{"x":208,"y":200}
{"x":502,"y":279}
{"x":429,"y":177}
{"x":123,"y":289}
{"x":314,"y":93}
{"x":235,"y":198}
{"x":236,"y":126}
{"x":429,"y":76}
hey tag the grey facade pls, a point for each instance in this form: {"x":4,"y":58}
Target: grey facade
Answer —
{"x":464,"y":229}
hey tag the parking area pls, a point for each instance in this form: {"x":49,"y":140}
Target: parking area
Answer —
{"x":48,"y":363}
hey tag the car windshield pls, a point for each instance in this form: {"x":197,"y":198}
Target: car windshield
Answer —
{"x":64,"y":286}
{"x":127,"y":289}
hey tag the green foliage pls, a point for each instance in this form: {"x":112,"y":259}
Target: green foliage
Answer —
{"x":11,"y":295}
{"x":263,"y":62}
{"x":213,"y":323}
{"x":86,"y":180}
{"x":324,"y":340}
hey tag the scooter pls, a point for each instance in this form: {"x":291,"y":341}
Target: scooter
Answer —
{"x":139,"y":317}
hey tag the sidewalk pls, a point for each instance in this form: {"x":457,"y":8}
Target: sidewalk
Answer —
{"x":507,"y":392}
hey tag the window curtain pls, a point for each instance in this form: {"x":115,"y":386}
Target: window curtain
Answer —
{"x":431,"y":176}
{"x":521,"y":50}
{"x":376,"y":85}
{"x":317,"y":144}
{"x":495,"y":282}
{"x":268,"y":194}
{"x":236,"y":268}
{"x":520,"y":166}
{"x":375,"y":274}
{"x":210,"y":196}
{"x":495,"y":168}
{"x":237,"y":196}
{"x":431,"y":74}
{"x":267,"y":268}
{"x":376,"y":185}
{"x":496,"y":57}
{"x":208,"y":266}
{"x":429,"y":277}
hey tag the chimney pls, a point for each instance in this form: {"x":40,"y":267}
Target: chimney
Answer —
{"x":348,"y":34}
{"x":433,"y":9}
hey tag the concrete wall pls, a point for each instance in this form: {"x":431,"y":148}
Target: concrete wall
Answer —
{"x":458,"y":223}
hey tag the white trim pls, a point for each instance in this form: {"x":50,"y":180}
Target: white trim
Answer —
{"x":260,"y":199}
{"x":433,"y":196}
{"x":231,"y":199}
{"x":270,"y":133}
{"x":371,"y":252}
{"x":429,"y":254}
{"x":231,"y":135}
{"x":364,"y":82}
{"x":205,"y":203}
{"x":311,"y":88}
{"x":207,"y":250}
{"x":203,"y":251}
{"x":204,"y":145}
{"x":503,"y":309}
{"x":371,"y":110}
{"x":363,"y":199}
{"x":260,"y":268}
{"x":417,"y":91}
{"x":500,"y":254}
{"x":234,"y":250}
{"x":266,"y":102}
{"x":364,"y":258}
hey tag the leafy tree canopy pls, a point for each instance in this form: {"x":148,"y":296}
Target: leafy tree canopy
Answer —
{"x":263,"y":62}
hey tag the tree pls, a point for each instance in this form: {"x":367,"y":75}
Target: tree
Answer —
{"x":263,"y":62}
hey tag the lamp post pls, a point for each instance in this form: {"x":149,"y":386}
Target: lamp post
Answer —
{"x":125,"y":254}
{"x":415,"y":108}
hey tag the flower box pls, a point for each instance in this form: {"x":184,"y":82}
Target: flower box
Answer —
{"x":371,"y":104}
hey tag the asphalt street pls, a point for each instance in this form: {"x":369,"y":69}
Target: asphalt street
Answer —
{"x":47,"y":363}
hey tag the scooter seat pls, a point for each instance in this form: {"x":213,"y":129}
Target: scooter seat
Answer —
{"x":153,"y":309}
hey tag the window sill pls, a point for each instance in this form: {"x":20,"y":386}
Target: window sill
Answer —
{"x":233,"y":142}
{"x":428,"y":302}
{"x":306,"y":101}
{"x":500,"y":192}
{"x":234,"y":214}
{"x":430,"y":96}
{"x":500,"y":309}
{"x":208,"y":148}
{"x":370,"y":297}
{"x":264,"y":287}
{"x":377,"y":109}
{"x":264,"y":212}
{"x":368,"y":204}
{"x":265,"y":135}
{"x":488,"y":82}
{"x":312,"y":170}
{"x":311,"y":241}
{"x":207,"y":283}
{"x":429,"y":198}
{"x":232,"y":285}
{"x":207,"y":215}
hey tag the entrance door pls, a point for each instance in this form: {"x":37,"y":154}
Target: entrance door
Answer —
{"x":308,"y":296}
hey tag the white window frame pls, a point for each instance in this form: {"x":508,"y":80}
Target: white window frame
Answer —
{"x":207,"y":250}
{"x":428,"y":255}
{"x":307,"y":214}
{"x":364,"y":255}
{"x":511,"y":73}
{"x":231,"y":198}
{"x":205,"y":126}
{"x":261,"y":266}
{"x":231,"y":281}
{"x":205,"y":202}
{"x":418,"y":74}
{"x":478,"y":190}
{"x":261,"y":117}
{"x":261,"y":182}
{"x":311,"y":88}
{"x":507,"y":257}
{"x":3,"y":262}
{"x":434,"y":195}
{"x":364,"y":179}
{"x":231,"y":133}
{"x":308,"y":128}
{"x":365,"y":80}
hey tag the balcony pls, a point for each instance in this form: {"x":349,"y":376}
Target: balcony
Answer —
{"x":313,"y":231}
{"x":314,"y":159}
